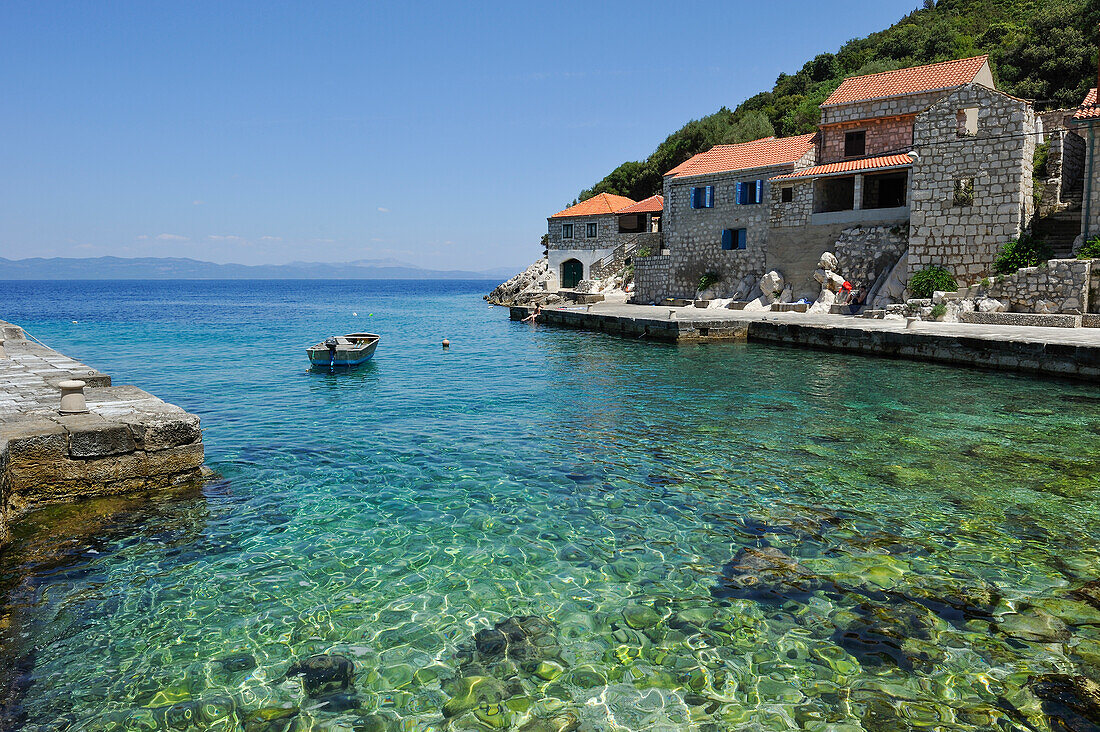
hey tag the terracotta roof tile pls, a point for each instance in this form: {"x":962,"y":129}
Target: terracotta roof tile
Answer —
{"x":1089,"y":108}
{"x":599,"y":205}
{"x":761,"y":153}
{"x":653,"y":204}
{"x":851,"y":166}
{"x":914,"y":80}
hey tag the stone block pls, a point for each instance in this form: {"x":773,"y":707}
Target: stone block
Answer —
{"x":34,"y":439}
{"x":90,"y":436}
{"x":159,"y":431}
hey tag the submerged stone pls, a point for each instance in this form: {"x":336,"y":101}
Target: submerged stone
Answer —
{"x":469,"y":691}
{"x":1034,"y":626}
{"x":494,"y":716}
{"x":1073,"y":701}
{"x":321,"y":672}
{"x":640,"y":617}
{"x":565,"y":722}
{"x":765,"y":575}
{"x":337,"y":702}
{"x":238,"y":662}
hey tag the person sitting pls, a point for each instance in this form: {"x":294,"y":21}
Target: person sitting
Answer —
{"x":533,"y":317}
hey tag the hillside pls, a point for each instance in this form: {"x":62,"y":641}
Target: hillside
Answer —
{"x":1042,"y":50}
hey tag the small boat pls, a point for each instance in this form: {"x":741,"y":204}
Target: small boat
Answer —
{"x":344,"y":351}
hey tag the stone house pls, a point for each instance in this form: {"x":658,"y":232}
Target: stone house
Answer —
{"x":717,"y":212}
{"x":932,"y":154}
{"x":582,"y":235}
{"x":1086,"y":121}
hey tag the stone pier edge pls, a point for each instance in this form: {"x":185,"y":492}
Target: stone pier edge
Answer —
{"x":1009,"y":353}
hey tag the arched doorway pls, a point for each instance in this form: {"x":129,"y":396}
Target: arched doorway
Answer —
{"x":572,"y":272}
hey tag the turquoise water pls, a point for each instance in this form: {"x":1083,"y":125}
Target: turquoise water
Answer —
{"x":694,"y":537}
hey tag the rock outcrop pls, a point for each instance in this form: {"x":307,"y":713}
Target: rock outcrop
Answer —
{"x":529,"y":286}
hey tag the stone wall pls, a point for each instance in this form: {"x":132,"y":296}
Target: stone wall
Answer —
{"x":863,"y":112}
{"x":998,"y":159}
{"x":651,"y":278}
{"x":884,"y":136}
{"x":1062,"y":286}
{"x":607,"y":232}
{"x":865,"y":253}
{"x":1065,"y":163}
{"x":1090,"y":206}
{"x":613,"y":263}
{"x":693,"y":236}
{"x":798,"y":210}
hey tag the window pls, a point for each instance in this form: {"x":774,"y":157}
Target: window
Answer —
{"x":590,"y":231}
{"x":964,"y":192}
{"x":733,"y":238}
{"x":855,"y":144}
{"x":702,"y":197}
{"x":967,"y":120}
{"x":750,"y":192}
{"x":567,"y":231}
{"x":787,"y":195}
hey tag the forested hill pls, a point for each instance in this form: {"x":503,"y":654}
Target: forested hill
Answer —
{"x":1042,"y":50}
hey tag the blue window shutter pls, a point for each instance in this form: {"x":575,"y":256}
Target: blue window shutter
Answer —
{"x":737,"y":198}
{"x":741,"y":238}
{"x":691,"y":197}
{"x":710,"y":196}
{"x":759,"y":191}
{"x":727,"y":238}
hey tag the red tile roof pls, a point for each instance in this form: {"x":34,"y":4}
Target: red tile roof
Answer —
{"x":1089,"y":108}
{"x":599,"y":205}
{"x":915,"y":80}
{"x":762,"y":153}
{"x":653,"y":204}
{"x":884,"y":162}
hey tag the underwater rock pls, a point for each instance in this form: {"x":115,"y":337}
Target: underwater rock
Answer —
{"x":322,"y":672}
{"x":520,"y":638}
{"x":765,"y":575}
{"x":1035,"y":626}
{"x":565,"y":722}
{"x":238,"y":662}
{"x":640,"y":617}
{"x":270,"y":719}
{"x":336,"y":701}
{"x":1073,"y":701}
{"x":1089,"y":593}
{"x":470,"y":691}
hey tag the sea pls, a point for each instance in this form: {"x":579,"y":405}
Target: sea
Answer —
{"x":541,"y":529}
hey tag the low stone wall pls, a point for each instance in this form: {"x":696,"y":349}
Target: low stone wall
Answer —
{"x":651,"y":278}
{"x":128,"y":440}
{"x":1062,"y":286}
{"x":1042,"y":321}
{"x":629,"y":244}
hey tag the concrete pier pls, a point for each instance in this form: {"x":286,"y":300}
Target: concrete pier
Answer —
{"x":129,"y":440}
{"x":1069,"y":352}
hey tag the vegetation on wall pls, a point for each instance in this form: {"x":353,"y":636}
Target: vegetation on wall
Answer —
{"x":1026,"y":251}
{"x":1042,"y":50}
{"x":929,"y":280}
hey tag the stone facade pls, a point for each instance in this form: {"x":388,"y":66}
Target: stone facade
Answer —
{"x":651,"y":278}
{"x":587,"y":250}
{"x":1061,"y":286}
{"x":693,"y":236}
{"x":881,"y":109}
{"x":864,"y":254}
{"x":1090,"y":205}
{"x":995,"y":164}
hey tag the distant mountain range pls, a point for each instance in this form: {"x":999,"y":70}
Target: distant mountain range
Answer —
{"x":175,"y":268}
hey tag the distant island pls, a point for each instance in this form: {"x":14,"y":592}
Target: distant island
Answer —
{"x":177,"y":268}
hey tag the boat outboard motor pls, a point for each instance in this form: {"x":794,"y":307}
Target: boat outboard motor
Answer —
{"x":330,"y":344}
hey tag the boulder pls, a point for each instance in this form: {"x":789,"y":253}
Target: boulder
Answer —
{"x":989,"y":305}
{"x":772,"y":286}
{"x":323,"y":672}
{"x":828,"y":261}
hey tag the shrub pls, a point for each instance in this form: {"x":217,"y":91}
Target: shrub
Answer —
{"x":928,"y":280}
{"x":1026,"y":251}
{"x":1090,"y":249}
{"x":938,"y":311}
{"x":643,"y":252}
{"x":708,"y":280}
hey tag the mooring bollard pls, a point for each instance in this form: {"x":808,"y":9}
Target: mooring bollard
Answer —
{"x":672,"y":315}
{"x":3,"y":354}
{"x":72,"y":398}
{"x":910,"y":322}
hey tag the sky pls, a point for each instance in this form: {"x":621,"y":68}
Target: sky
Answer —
{"x":441,"y":134}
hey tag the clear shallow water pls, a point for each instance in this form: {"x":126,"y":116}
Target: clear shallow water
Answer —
{"x":714,"y":537}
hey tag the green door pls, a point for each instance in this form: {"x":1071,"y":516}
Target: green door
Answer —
{"x":572,"y":272}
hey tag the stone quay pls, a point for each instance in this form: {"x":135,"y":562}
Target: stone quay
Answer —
{"x":103,"y":440}
{"x":1063,"y":352}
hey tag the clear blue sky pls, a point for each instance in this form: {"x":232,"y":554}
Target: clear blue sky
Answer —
{"x":441,"y":134}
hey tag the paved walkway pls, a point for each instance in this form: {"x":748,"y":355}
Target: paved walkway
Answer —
{"x":1012,"y":333}
{"x":30,"y":374}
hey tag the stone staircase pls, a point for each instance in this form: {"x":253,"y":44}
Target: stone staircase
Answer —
{"x":1060,"y":229}
{"x":614,"y":262}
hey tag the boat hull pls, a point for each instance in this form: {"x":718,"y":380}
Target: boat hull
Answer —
{"x":354,"y":350}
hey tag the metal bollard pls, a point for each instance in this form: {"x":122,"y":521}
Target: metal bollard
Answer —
{"x":72,"y":398}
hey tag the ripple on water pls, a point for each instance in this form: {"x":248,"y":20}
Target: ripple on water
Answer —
{"x":543,"y":530}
